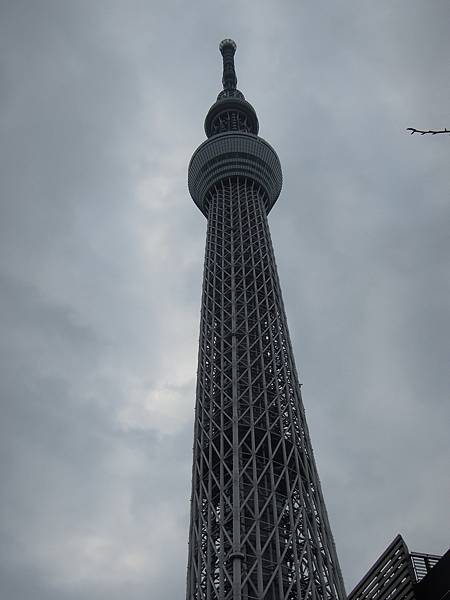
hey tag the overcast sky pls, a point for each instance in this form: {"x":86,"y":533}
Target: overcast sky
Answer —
{"x":101,"y":249}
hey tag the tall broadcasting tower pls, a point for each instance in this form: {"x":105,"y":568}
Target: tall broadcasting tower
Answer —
{"x":259,"y":529}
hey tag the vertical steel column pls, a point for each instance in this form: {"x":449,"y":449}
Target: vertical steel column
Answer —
{"x":236,"y":556}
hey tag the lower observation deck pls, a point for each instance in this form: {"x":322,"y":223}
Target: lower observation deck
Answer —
{"x":230,"y":155}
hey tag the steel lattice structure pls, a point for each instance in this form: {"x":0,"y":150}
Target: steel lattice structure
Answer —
{"x":259,"y":528}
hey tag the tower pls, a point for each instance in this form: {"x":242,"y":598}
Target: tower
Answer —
{"x":259,"y":528}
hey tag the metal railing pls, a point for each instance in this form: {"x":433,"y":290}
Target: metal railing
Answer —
{"x":423,"y":563}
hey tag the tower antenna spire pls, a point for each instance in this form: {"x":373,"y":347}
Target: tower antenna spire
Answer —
{"x":227,"y":48}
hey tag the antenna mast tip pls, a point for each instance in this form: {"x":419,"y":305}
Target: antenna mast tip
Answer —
{"x":227,"y":42}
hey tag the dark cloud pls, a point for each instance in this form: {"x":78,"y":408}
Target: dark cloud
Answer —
{"x":101,"y":107}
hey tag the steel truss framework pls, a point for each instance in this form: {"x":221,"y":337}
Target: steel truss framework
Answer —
{"x":259,"y":528}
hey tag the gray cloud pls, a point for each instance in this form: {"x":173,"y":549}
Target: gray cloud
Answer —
{"x":101,"y":106}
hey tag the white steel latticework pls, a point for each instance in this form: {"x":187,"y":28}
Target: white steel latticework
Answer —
{"x":259,"y":528}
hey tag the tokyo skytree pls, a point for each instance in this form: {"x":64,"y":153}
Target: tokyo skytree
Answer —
{"x":259,"y":528}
